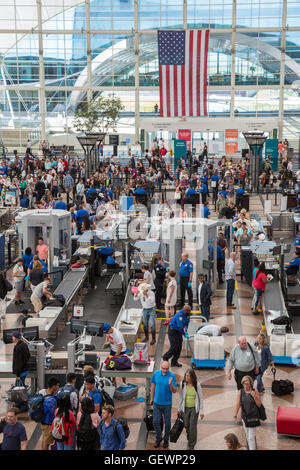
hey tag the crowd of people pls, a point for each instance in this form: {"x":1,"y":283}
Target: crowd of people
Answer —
{"x":82,"y":419}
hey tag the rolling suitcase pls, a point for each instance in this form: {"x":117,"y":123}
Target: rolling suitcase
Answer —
{"x":17,"y":393}
{"x":24,"y":203}
{"x":282,"y":387}
{"x":149,"y":420}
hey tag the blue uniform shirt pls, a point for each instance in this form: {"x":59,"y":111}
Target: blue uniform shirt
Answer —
{"x":205,"y":212}
{"x":140,"y":191}
{"x":110,"y":193}
{"x":240,"y":191}
{"x":220,"y":253}
{"x":106,"y":251}
{"x":110,"y":260}
{"x":295,"y":262}
{"x":223,"y":193}
{"x":80,"y":214}
{"x":203,"y":188}
{"x":179,"y":322}
{"x":190,"y":191}
{"x":91,"y":191}
{"x":60,"y":205}
{"x":163,"y":393}
{"x":215,"y":178}
{"x":210,"y":252}
{"x":185,"y":268}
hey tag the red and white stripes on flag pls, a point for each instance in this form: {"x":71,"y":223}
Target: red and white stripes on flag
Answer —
{"x":183,"y":88}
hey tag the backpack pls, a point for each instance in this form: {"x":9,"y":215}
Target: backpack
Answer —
{"x":141,"y":354}
{"x":36,"y":408}
{"x":58,"y":430}
{"x":124,"y":424}
{"x":117,"y":363}
{"x":106,"y":399}
{"x":65,"y":390}
{"x":86,"y":432}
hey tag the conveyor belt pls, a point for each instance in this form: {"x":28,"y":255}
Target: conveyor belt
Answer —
{"x":273,"y":297}
{"x":115,"y":283}
{"x":70,"y":284}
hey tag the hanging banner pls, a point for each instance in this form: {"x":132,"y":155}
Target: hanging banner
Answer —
{"x":187,"y":135}
{"x":10,"y":198}
{"x":108,"y":151}
{"x":271,"y":148}
{"x":179,"y":150}
{"x":231,"y":141}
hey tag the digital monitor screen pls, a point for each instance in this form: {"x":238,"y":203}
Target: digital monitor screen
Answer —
{"x":277,"y":250}
{"x":93,"y":328}
{"x":30,"y":333}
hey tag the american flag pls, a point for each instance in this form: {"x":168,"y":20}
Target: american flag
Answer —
{"x":182,"y":57}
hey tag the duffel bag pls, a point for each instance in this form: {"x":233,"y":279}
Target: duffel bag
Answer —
{"x":282,"y":387}
{"x":57,"y":301}
{"x":176,"y":429}
{"x":117,"y":363}
{"x":18,"y":393}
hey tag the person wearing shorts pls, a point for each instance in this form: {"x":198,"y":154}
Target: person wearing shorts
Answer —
{"x":18,"y":277}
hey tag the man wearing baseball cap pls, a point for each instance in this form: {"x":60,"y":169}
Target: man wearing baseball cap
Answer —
{"x":116,"y":340}
{"x":21,"y":357}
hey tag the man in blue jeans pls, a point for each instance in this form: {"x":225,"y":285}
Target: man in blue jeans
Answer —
{"x":230,"y":276}
{"x":163,"y":385}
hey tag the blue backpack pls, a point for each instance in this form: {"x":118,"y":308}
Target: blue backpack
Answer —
{"x":41,"y":407}
{"x":65,"y":390}
{"x":36,"y":408}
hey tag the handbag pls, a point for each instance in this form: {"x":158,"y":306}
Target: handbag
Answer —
{"x":176,"y":429}
{"x":259,"y":369}
{"x":262,"y":413}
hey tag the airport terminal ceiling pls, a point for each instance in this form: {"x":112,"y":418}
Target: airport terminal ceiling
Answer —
{"x":57,"y":54}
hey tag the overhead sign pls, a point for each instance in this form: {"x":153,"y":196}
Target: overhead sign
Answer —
{"x":231,"y":141}
{"x":187,"y":135}
{"x":122,"y":151}
{"x":108,"y":150}
{"x":136,"y":150}
{"x":271,"y":148}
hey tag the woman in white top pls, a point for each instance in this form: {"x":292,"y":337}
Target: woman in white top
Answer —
{"x":171,"y":297}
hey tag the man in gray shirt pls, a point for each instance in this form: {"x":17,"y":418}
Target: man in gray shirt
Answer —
{"x":37,"y":294}
{"x":244,"y":359}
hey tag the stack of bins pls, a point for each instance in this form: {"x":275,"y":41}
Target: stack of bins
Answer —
{"x":277,"y":345}
{"x":292,"y":345}
{"x":201,"y":347}
{"x":216,"y":348}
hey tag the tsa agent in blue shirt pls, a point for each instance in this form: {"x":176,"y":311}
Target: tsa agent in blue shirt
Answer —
{"x":185,"y":279}
{"x":190,"y":191}
{"x":79,"y":215}
{"x":220,"y":263}
{"x":60,"y":205}
{"x":44,"y":266}
{"x":224,"y":193}
{"x":203,"y":191}
{"x":177,"y":329}
{"x":205,"y":211}
{"x":91,"y":191}
{"x":110,"y":260}
{"x":140,"y":191}
{"x":163,"y":385}
{"x":294,"y":264}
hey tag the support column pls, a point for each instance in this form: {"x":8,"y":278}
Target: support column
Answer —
{"x":40,"y":361}
{"x":42,"y":71}
{"x":88,"y":51}
{"x":233,"y":51}
{"x":136,"y":72}
{"x":282,"y":69}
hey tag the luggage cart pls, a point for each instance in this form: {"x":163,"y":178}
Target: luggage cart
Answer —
{"x":208,"y":362}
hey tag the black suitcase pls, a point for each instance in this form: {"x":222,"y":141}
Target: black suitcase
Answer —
{"x":176,"y":429}
{"x":57,"y":301}
{"x":282,"y":387}
{"x":149,"y":420}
